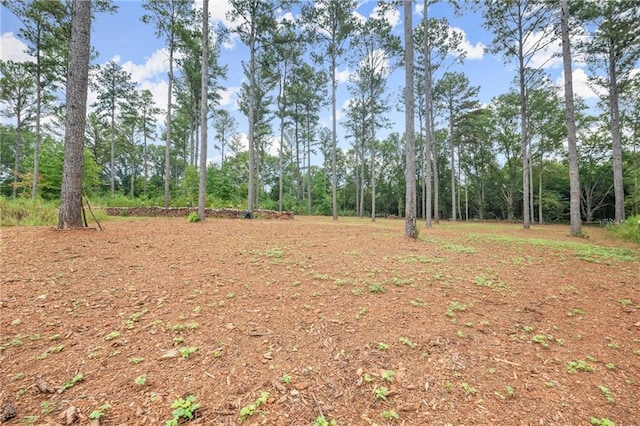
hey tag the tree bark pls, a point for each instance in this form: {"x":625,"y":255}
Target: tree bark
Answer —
{"x":410,"y":229}
{"x":574,"y":177}
{"x":70,"y":215}
{"x":204,"y":109}
{"x":427,"y":119}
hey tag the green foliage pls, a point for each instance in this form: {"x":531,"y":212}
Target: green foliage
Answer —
{"x":100,"y":411}
{"x":390,"y":415}
{"x":193,"y":217}
{"x":322,"y":421}
{"x":579,"y":365}
{"x":71,"y":383}
{"x":629,"y":230}
{"x":28,"y":212}
{"x":249,"y":410}
{"x":607,"y":393}
{"x":185,"y":352}
{"x":183,"y":409}
{"x":381,"y":392}
{"x":602,"y":422}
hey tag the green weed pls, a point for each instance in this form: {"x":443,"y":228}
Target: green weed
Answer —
{"x":71,"y":383}
{"x":98,"y":413}
{"x":185,"y":351}
{"x":579,"y":365}
{"x":408,"y":342}
{"x":250,"y":409}
{"x":183,"y":409}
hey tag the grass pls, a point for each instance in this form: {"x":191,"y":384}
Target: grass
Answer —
{"x":586,"y":250}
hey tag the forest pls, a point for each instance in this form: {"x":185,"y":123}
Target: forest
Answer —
{"x":507,"y":159}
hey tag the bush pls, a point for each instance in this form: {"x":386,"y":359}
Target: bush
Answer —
{"x":28,"y":212}
{"x":629,"y":230}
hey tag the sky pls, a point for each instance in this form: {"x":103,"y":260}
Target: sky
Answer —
{"x":122,"y":37}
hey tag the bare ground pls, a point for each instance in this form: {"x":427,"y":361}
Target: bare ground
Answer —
{"x":475,"y":324}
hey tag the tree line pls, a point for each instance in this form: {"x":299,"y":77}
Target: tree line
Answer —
{"x":508,"y":159}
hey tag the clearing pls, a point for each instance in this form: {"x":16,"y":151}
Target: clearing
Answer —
{"x":308,"y":321}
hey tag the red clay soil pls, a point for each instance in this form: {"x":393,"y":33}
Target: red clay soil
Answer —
{"x":474,"y":324}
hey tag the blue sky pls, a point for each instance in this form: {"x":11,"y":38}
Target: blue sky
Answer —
{"x":124,"y":38}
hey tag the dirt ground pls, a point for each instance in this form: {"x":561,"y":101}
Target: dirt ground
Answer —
{"x":282,"y":322}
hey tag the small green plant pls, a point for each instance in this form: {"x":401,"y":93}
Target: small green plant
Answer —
{"x":362,"y":312}
{"x":408,"y":342}
{"x":130,"y":322}
{"x":193,"y":217}
{"x":390,"y":415}
{"x":382,"y":346}
{"x":579,"y":365}
{"x":455,"y":306}
{"x":388,"y":375}
{"x":575,"y":311}
{"x":448,"y":386}
{"x":186,"y":351}
{"x":52,"y":350}
{"x":71,"y":383}
{"x":250,"y":409}
{"x":46,"y":407}
{"x":602,"y":422}
{"x":376,"y":288}
{"x":112,"y":335}
{"x":141,"y":380}
{"x":610,"y":366}
{"x":322,"y":421}
{"x":510,"y":391}
{"x":527,"y":328}
{"x":540,"y":339}
{"x":468,"y":389}
{"x":135,"y":360}
{"x":607,"y":393}
{"x":381,"y":392}
{"x":183,"y":409}
{"x":286,"y":379}
{"x":99,"y":412}
{"x":367,"y":378}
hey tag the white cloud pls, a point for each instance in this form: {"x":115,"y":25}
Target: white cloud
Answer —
{"x":391,"y":15}
{"x":13,"y":49}
{"x":550,"y":55}
{"x":229,"y":97}
{"x":342,"y":76}
{"x":581,"y":87}
{"x":472,"y":51}
{"x":360,"y":18}
{"x":156,"y":64}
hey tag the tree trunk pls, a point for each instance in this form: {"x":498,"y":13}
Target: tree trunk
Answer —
{"x":618,"y":183}
{"x":16,"y":164}
{"x":427,"y":119}
{"x":112,"y":178}
{"x":574,"y":176}
{"x":251,"y":118}
{"x":453,"y":166}
{"x":373,"y":168}
{"x":70,"y":215}
{"x":204,"y":104}
{"x":144,"y":160}
{"x":334,"y":144}
{"x":410,"y":227}
{"x":308,"y":165}
{"x":167,"y":147}
{"x":36,"y":147}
